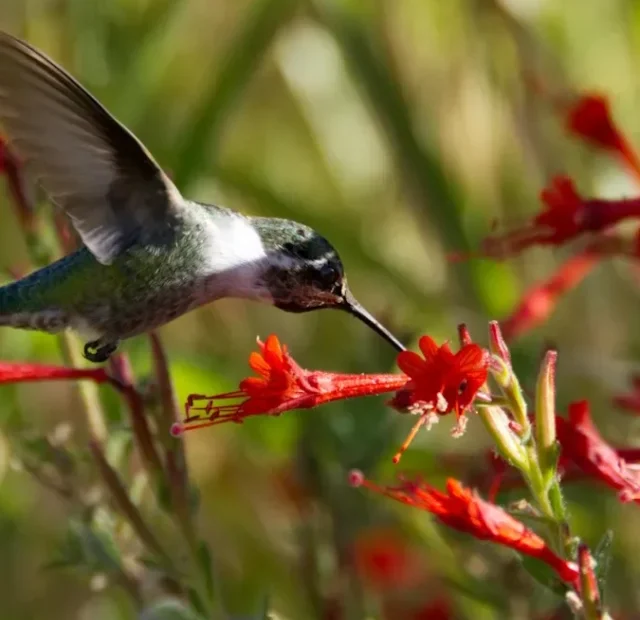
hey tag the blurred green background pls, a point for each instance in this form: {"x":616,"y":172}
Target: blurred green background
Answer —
{"x":399,"y":129}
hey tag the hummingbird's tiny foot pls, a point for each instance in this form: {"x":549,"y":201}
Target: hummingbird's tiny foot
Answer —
{"x":99,"y":351}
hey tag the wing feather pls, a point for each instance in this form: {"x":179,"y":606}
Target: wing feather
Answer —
{"x":89,"y":164}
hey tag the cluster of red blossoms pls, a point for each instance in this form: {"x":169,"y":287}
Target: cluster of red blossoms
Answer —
{"x":568,"y":217}
{"x":438,"y":382}
{"x":433,"y":384}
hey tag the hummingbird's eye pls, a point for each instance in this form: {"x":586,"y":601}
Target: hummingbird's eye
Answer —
{"x":328,"y":276}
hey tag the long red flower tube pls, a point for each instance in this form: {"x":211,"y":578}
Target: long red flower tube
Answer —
{"x":538,"y":302}
{"x":281,"y":385}
{"x":17,"y":372}
{"x":463,"y":510}
{"x":434,"y":384}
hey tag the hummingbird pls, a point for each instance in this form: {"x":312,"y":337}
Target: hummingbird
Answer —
{"x":149,"y":254}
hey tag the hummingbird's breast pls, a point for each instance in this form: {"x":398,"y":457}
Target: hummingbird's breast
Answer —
{"x":215,"y":253}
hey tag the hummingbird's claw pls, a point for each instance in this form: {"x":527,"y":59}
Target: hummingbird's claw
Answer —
{"x":99,"y":351}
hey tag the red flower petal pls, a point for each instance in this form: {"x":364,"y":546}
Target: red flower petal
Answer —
{"x":273,"y":353}
{"x":410,"y":363}
{"x":590,"y":118}
{"x":385,"y":560}
{"x":258,"y":364}
{"x":429,"y":348}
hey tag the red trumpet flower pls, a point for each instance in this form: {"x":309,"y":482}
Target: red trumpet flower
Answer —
{"x":582,"y":444}
{"x":566,"y":216}
{"x":590,"y":119}
{"x":282,"y":385}
{"x":463,"y":510}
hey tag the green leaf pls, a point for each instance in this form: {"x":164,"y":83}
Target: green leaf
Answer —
{"x":264,"y":614}
{"x":544,"y":575}
{"x":86,"y":547}
{"x":602,"y":556}
{"x":163,"y":494}
{"x":119,"y":446}
{"x":197,"y":601}
{"x":206,"y":565}
{"x":478,"y":591}
{"x":170,"y":609}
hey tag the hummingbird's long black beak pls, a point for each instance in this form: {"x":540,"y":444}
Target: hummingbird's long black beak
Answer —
{"x":351,"y":305}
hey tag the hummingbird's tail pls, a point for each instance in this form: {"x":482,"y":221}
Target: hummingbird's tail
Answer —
{"x":19,"y":308}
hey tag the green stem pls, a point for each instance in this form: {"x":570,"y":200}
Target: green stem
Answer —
{"x":549,"y":499}
{"x":536,"y":483}
{"x":496,"y":423}
{"x":87,"y":392}
{"x":495,"y":402}
{"x":557,"y":501}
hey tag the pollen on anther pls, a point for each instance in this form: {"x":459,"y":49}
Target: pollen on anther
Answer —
{"x":356,"y":478}
{"x":177,"y":429}
{"x":460,"y":427}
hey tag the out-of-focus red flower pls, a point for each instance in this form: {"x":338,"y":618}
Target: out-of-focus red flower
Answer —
{"x":333,"y":608}
{"x":566,"y":216}
{"x":438,"y":609}
{"x":441,"y":382}
{"x":590,"y":119}
{"x":630,"y":401}
{"x":282,"y":385}
{"x":10,"y":168}
{"x":499,"y":471}
{"x":385,"y":560}
{"x":563,"y":218}
{"x":463,"y":510}
{"x":67,"y":237}
{"x":582,"y":444}
{"x":539,"y":302}
{"x":589,"y":590}
{"x":498,"y":476}
{"x":563,"y":215}
{"x":291,"y":490}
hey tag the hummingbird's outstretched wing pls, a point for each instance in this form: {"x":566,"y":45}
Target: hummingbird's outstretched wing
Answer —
{"x":89,"y":164}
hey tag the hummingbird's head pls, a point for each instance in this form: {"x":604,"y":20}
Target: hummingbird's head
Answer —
{"x":304,"y":272}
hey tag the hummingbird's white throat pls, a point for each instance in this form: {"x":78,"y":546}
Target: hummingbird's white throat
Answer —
{"x":233,"y":255}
